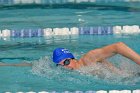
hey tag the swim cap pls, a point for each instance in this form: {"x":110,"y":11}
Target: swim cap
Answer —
{"x":60,"y":54}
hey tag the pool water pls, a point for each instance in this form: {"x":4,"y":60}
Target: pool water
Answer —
{"x":44,"y":75}
{"x":17,"y":17}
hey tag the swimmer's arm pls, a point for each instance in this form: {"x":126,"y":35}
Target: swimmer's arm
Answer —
{"x":112,"y":67}
{"x":16,"y":65}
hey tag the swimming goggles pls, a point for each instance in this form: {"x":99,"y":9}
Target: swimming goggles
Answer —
{"x":66,"y":62}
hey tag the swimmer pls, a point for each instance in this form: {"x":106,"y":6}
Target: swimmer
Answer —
{"x":63,"y":57}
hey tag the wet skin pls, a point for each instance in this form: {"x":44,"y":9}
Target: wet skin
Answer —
{"x":100,"y":55}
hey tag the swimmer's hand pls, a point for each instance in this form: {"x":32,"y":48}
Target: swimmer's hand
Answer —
{"x":17,"y":65}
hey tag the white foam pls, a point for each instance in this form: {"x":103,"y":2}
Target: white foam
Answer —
{"x":43,"y":67}
{"x":127,"y":76}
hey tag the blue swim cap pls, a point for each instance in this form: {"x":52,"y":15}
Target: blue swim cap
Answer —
{"x":60,"y":54}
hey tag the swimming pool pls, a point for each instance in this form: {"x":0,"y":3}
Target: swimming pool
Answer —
{"x":45,"y":76}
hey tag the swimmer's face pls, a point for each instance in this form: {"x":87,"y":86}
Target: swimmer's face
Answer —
{"x":68,"y":63}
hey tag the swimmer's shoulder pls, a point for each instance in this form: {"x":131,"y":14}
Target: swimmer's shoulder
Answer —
{"x":87,"y":59}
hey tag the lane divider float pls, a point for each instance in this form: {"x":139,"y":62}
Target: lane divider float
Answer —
{"x":100,"y":30}
{"x":90,"y":91}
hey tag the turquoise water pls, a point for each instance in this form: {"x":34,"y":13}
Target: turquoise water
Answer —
{"x":44,"y":75}
{"x":17,"y":17}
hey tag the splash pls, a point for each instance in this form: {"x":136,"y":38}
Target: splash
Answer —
{"x":131,"y":75}
{"x":130,"y":72}
{"x":44,"y":67}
